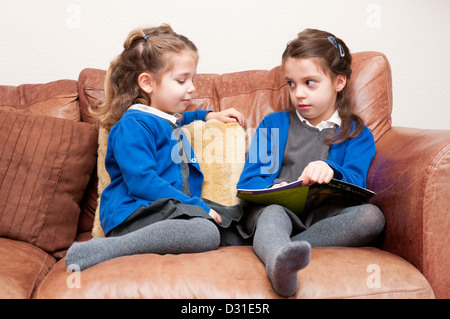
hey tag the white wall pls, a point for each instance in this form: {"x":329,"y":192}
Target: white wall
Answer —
{"x":45,"y":40}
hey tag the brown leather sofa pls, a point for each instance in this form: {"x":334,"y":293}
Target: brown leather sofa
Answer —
{"x":48,"y":196}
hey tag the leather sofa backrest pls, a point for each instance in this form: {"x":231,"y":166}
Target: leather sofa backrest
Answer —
{"x":255,"y":93}
{"x":57,"y":99}
{"x":258,"y":93}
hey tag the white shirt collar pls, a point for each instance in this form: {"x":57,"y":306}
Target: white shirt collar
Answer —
{"x":145,"y":108}
{"x":334,"y":120}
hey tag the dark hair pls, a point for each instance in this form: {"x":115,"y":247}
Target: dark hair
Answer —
{"x":335,"y":58}
{"x":145,"y":50}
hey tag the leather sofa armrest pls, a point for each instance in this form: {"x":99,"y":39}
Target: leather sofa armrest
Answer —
{"x":411,"y":176}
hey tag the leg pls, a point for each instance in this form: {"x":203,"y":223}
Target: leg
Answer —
{"x":172,"y":236}
{"x":354,"y":226}
{"x":282,"y":257}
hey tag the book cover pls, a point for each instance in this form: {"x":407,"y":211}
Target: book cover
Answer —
{"x":300,"y":198}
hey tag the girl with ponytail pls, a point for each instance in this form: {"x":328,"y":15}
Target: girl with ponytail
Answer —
{"x":153,"y":204}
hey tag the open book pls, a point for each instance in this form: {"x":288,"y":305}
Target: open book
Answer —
{"x":300,"y":198}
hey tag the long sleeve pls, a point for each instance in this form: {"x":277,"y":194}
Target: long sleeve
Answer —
{"x":137,"y":156}
{"x":143,"y":162}
{"x":190,"y":116}
{"x":264,"y":158}
{"x":351,"y":159}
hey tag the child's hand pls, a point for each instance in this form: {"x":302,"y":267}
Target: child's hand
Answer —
{"x":316,"y":172}
{"x":278,"y":185}
{"x":216,"y":216}
{"x":227,"y":116}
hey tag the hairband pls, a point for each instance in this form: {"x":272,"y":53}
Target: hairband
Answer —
{"x":335,"y":44}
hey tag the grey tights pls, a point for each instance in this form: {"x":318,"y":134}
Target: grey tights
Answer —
{"x":172,"y":236}
{"x":284,"y":256}
{"x":352,"y":227}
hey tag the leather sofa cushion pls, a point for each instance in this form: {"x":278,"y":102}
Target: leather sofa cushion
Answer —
{"x":22,"y":268}
{"x":57,"y":99}
{"x":236,"y":272}
{"x":45,"y":166}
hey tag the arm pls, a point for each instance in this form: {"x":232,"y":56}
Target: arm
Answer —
{"x":137,"y":156}
{"x":265,"y":154}
{"x":350,"y":160}
{"x":191,"y":116}
{"x":230,"y":115}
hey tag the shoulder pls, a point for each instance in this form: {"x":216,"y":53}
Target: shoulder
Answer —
{"x":364,"y":139}
{"x":144,"y":119}
{"x":276,"y":117}
{"x":363,"y":142}
{"x":139,"y":124}
{"x":138,"y":115}
{"x":365,"y":132}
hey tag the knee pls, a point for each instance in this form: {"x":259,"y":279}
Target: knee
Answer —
{"x":373,"y":217}
{"x":210,"y":231}
{"x":274,"y":217}
{"x":273,"y":212}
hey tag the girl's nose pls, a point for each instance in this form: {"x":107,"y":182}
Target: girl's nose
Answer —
{"x":191,"y":88}
{"x":300,"y":93}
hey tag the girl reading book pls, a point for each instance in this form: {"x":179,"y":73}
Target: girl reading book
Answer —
{"x":319,"y":139}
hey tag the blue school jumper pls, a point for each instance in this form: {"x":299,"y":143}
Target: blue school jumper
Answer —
{"x":142,"y":159}
{"x":350,"y":160}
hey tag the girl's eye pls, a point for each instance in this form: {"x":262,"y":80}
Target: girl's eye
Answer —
{"x":180,"y":81}
{"x":310,"y":82}
{"x":291,"y":84}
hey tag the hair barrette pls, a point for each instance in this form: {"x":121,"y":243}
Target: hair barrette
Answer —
{"x":146,"y":37}
{"x":335,"y":44}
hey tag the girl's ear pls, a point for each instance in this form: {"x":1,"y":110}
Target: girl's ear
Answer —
{"x":341,"y":81}
{"x":145,"y":81}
